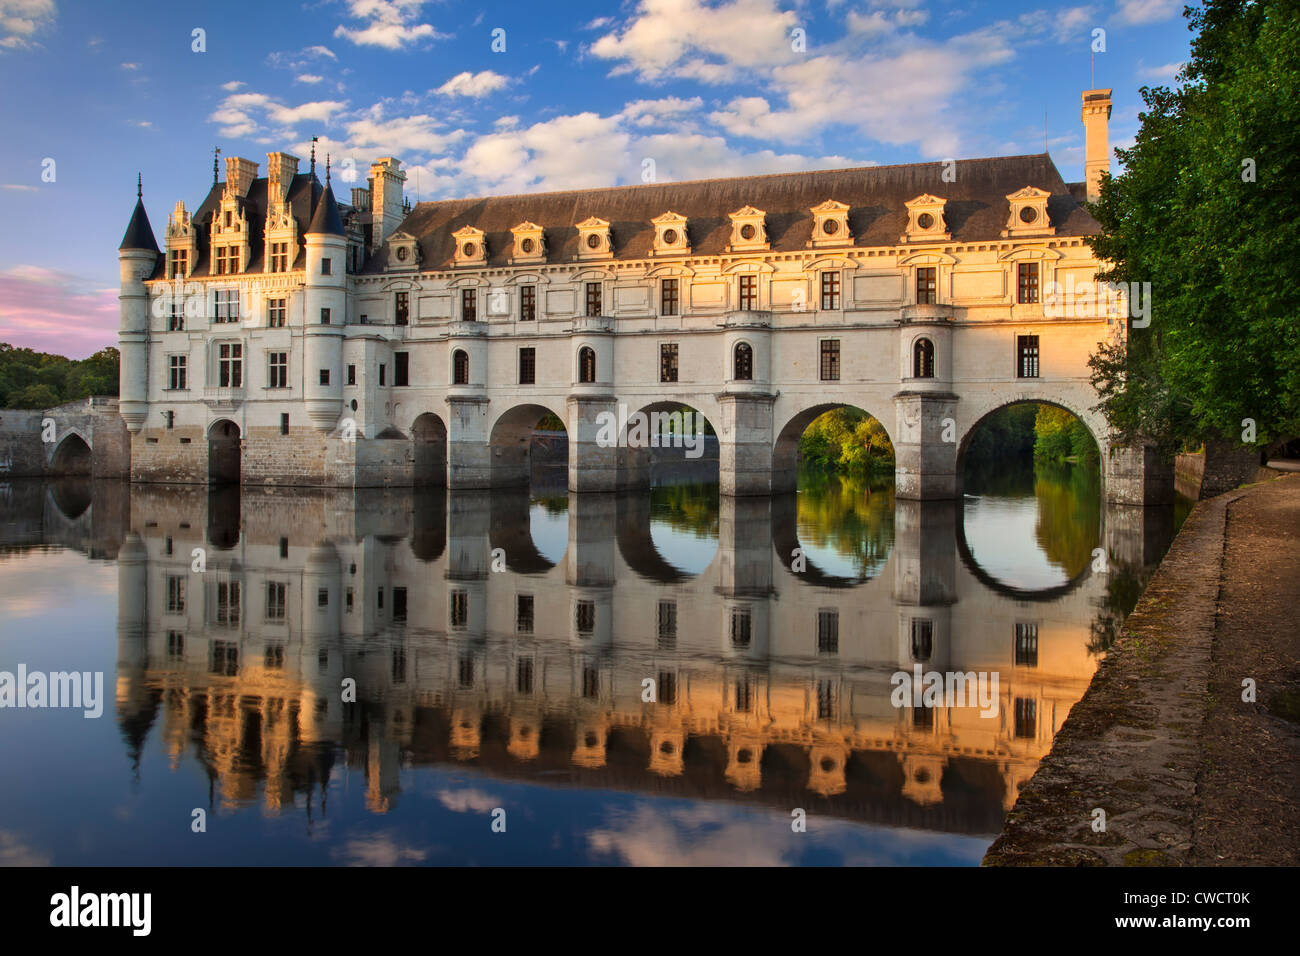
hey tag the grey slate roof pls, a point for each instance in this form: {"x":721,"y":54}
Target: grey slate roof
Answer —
{"x":326,"y":218}
{"x":139,"y":234}
{"x":976,"y":209}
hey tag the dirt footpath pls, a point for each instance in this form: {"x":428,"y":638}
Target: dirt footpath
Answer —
{"x":1184,"y":770}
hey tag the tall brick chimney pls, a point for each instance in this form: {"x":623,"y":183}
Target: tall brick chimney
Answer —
{"x":280,"y":170}
{"x":1096,"y":139}
{"x":387,"y":178}
{"x":240,"y":174}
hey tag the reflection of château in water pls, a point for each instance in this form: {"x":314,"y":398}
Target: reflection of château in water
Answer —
{"x":772,"y":686}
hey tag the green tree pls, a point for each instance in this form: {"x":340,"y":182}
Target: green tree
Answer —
{"x":33,"y":396}
{"x":1207,"y":211}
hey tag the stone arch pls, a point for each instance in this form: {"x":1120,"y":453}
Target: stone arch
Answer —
{"x":1092,"y":420}
{"x":636,"y":461}
{"x":510,"y":439}
{"x":429,"y":451}
{"x":72,"y":455}
{"x":224,"y":452}
{"x":785,"y":450}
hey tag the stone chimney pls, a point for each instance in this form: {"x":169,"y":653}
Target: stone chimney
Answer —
{"x":1096,"y":139}
{"x":240,"y":174}
{"x":280,"y":170}
{"x":385,"y":198}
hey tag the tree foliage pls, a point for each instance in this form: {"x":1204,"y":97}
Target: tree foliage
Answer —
{"x":847,"y":440}
{"x":1207,"y":210}
{"x":31,"y":379}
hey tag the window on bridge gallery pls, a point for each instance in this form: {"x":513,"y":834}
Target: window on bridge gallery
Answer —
{"x":175,"y":594}
{"x":668,"y":297}
{"x":667,"y":625}
{"x":175,"y":646}
{"x":528,"y":303}
{"x":276,"y":593}
{"x":926,"y":285}
{"x":593,"y":299}
{"x":178,"y":262}
{"x":668,"y":362}
{"x":524,"y":613}
{"x":585,"y":618}
{"x":176,"y":371}
{"x":469,"y":305}
{"x":401,"y":369}
{"x":279,"y":257}
{"x":275,"y":313}
{"x":273,"y":656}
{"x":922,"y":639}
{"x":923,"y":359}
{"x":830,"y":363}
{"x":586,"y":364}
{"x":828,"y":632}
{"x":226,"y":305}
{"x":224,"y":659}
{"x":1026,"y":720}
{"x":741,"y":627}
{"x":228,"y":603}
{"x":277,"y":372}
{"x":744,"y":362}
{"x":1027,"y":645}
{"x":401,"y":307}
{"x":528,"y":366}
{"x":831,"y":290}
{"x":1026,"y":356}
{"x":748,"y":293}
{"x":460,"y":367}
{"x":1027,"y":285}
{"x":524,"y":675}
{"x":176,"y":319}
{"x":459,"y":611}
{"x":230,"y":365}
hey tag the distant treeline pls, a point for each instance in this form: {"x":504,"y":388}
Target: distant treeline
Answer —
{"x":31,"y":379}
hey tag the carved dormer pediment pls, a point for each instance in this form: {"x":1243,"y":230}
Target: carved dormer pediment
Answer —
{"x":925,"y":220}
{"x":748,"y":230}
{"x":403,"y":252}
{"x":670,"y":235}
{"x":594,"y":239}
{"x":471,"y":246}
{"x":830,"y":225}
{"x":1027,"y":213}
{"x":528,"y":244}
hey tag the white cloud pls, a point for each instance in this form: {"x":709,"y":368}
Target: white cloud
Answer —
{"x":389,"y":24}
{"x":310,"y":55}
{"x":464,"y":801}
{"x":247,"y":114}
{"x":1160,"y":74}
{"x":20,"y":20}
{"x":1147,"y":11}
{"x":474,"y":85}
{"x":377,"y":849}
{"x":419,"y":133}
{"x":308,"y":78}
{"x":130,"y":66}
{"x":232,"y":85}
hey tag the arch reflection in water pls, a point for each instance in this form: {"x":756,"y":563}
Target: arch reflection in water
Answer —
{"x":769,"y":688}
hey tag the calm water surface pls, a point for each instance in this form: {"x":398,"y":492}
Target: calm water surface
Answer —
{"x":501,"y":645}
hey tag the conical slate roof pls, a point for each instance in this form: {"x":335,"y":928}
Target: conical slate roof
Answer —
{"x":326,"y":218}
{"x":139,"y":234}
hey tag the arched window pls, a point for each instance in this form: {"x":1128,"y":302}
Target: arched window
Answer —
{"x":744,"y":363}
{"x":460,"y":367}
{"x":923,"y":359}
{"x":586,"y":364}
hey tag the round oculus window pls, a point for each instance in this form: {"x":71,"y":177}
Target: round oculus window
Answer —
{"x":593,"y":241}
{"x":670,"y":237}
{"x":830,"y":227}
{"x":468,"y":250}
{"x":925,"y":220}
{"x":402,"y":253}
{"x":1028,"y":214}
{"x":526,"y":245}
{"x":747,"y":231}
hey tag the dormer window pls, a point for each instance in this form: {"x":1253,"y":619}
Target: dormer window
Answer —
{"x":1027,"y":215}
{"x":748,"y":230}
{"x":670,"y":235}
{"x":830,"y":225}
{"x":178,"y":264}
{"x":471,"y":249}
{"x":594,"y":239}
{"x":925,"y":220}
{"x":404,"y":251}
{"x":529,"y":243}
{"x":227,"y":260}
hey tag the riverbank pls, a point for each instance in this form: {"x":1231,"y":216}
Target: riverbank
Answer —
{"x":1186,"y":772}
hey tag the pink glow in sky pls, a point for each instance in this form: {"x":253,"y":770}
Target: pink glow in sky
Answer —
{"x":56,"y":312}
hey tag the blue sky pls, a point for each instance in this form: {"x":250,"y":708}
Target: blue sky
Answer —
{"x":583,"y":94}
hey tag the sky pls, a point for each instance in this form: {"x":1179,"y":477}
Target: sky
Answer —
{"x":480,"y":99}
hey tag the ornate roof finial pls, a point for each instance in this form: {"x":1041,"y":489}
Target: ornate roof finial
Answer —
{"x":313,"y":156}
{"x":216,"y":151}
{"x":139,"y":186}
{"x":327,"y":169}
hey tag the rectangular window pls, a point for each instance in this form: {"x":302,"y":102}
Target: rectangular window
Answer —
{"x":667,"y":688}
{"x":830,"y":290}
{"x":225,"y":260}
{"x":324,"y":376}
{"x":275,"y":600}
{"x":1027,"y":286}
{"x":667,"y":630}
{"x":176,"y":320}
{"x":668,"y":363}
{"x":284,"y":423}
{"x":590,"y":682}
{"x":593,"y":298}
{"x":469,"y":305}
{"x":399,"y":604}
{"x":401,"y":368}
{"x":226,"y":305}
{"x":1026,"y":717}
{"x":352,"y":375}
{"x":744,"y":695}
{"x":175,"y":594}
{"x":668,"y":297}
{"x":277,"y":370}
{"x":585,"y":618}
{"x":230,"y":365}
{"x":459,"y":608}
{"x":524,"y":613}
{"x":327,"y":267}
{"x":171,"y":422}
{"x":178,"y":261}
{"x":922,"y":638}
{"x":925,"y":285}
{"x":524,"y":675}
{"x":402,"y":307}
{"x":825,"y":700}
{"x":748,"y":293}
{"x":383,"y":369}
{"x":228,"y":603}
{"x":527,"y":366}
{"x":741,"y":630}
{"x":1027,"y":645}
{"x":225,"y":659}
{"x":275,"y":313}
{"x":175,"y":646}
{"x":324,"y":316}
{"x":284,"y":547}
{"x":279,"y":257}
{"x":828,"y":632}
{"x":528,"y":302}
{"x":830,"y":364}
{"x":1026,"y":356}
{"x":176,"y":371}
{"x":322,"y":597}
